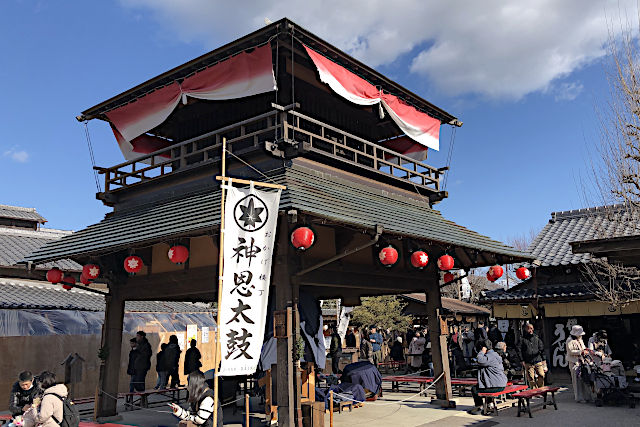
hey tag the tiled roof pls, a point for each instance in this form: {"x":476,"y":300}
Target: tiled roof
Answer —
{"x":24,"y":294}
{"x":573,"y":290}
{"x":17,"y":212}
{"x":16,"y":243}
{"x":308,"y":190}
{"x":451,"y":305}
{"x":551,"y":245}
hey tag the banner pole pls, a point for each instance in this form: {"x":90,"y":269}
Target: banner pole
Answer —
{"x":220,"y":275}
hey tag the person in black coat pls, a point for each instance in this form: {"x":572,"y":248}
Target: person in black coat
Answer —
{"x":142,"y":362}
{"x":350,"y":338}
{"x":131,"y":370}
{"x":192,"y":359}
{"x":161,"y":368}
{"x":172,"y":359}
{"x":397,"y":351}
{"x":22,"y":393}
{"x":335,"y":350}
{"x":530,"y":350}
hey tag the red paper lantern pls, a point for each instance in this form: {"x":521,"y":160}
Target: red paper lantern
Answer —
{"x":445,"y":262}
{"x":449,"y":277}
{"x":419,"y":259}
{"x":91,"y":271}
{"x":54,"y":275}
{"x":68,"y":280}
{"x":302,"y":238}
{"x":494,"y":273}
{"x":523,"y":273}
{"x":133,"y":264}
{"x":388,"y":256}
{"x":178,"y":254}
{"x":84,"y":280}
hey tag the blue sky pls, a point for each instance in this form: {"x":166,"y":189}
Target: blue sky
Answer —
{"x":527,"y":102}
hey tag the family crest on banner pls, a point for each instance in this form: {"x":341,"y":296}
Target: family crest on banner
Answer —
{"x":250,"y":228}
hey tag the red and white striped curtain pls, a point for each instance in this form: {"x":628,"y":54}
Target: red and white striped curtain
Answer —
{"x":245,"y":74}
{"x":418,"y":126}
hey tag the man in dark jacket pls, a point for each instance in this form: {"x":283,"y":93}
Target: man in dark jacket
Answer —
{"x":480,"y":334}
{"x":350,"y":338}
{"x":131,"y":370}
{"x":172,"y":359}
{"x":192,"y":359}
{"x":142,"y":362}
{"x":491,"y":377}
{"x":530,"y":350}
{"x":161,"y":368}
{"x":335,"y":350}
{"x":22,"y":393}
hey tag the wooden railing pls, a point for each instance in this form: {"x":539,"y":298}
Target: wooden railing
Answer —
{"x":242,"y":136}
{"x":284,"y":126}
{"x":328,"y":140}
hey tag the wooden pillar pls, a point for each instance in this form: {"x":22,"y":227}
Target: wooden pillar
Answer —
{"x":112,"y":342}
{"x":284,"y":347}
{"x":439,"y":351}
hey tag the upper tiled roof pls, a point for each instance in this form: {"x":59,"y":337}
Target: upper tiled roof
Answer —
{"x":32,"y":294}
{"x":16,"y":243}
{"x":551,"y":245}
{"x":17,"y":212}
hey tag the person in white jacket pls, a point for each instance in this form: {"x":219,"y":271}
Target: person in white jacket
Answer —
{"x":575,"y":350}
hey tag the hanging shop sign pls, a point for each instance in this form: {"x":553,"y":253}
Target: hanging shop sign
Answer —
{"x":250,"y":226}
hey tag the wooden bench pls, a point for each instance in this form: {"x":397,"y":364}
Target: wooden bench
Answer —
{"x":524,"y":398}
{"x":5,"y":418}
{"x":173,"y":395}
{"x":489,"y":398}
{"x":393,"y":365}
{"x":397,"y":379}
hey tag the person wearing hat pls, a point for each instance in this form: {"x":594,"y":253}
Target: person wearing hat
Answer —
{"x":575,"y":350}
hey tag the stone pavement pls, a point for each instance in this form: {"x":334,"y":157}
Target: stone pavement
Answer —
{"x":417,"y":411}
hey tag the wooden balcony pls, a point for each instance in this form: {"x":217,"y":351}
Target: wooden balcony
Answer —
{"x":281,"y":132}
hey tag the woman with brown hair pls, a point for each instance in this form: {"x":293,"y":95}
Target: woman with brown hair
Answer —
{"x":201,"y":403}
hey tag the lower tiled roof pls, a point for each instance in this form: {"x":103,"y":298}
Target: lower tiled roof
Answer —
{"x":23,"y":294}
{"x":546,"y":292}
{"x":309,"y":190}
{"x":451,"y":305}
{"x":16,"y":243}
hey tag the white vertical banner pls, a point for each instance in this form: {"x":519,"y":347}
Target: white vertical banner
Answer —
{"x":251,"y":218}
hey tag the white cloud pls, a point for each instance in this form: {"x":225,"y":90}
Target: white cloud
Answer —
{"x":490,"y":48}
{"x":566,"y":91}
{"x":19,"y":156}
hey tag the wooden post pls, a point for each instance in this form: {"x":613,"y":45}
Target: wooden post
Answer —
{"x":106,"y":405}
{"x":439,"y":351}
{"x":246,"y":409}
{"x":331,"y":408}
{"x":284,"y":346}
{"x":218,"y":353}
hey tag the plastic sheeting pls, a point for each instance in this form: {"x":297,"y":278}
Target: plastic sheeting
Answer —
{"x":74,"y":322}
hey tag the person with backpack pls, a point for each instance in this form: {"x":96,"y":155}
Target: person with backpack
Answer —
{"x":201,"y":403}
{"x":54,"y":409}
{"x":192,"y":359}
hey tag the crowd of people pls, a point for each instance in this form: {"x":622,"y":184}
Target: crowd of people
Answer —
{"x":167,"y":362}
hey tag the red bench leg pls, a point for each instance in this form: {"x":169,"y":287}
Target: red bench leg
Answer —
{"x":529,"y":407}
{"x":553,"y":399}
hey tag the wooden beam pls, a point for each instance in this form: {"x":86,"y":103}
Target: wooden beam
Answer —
{"x":106,"y":404}
{"x":172,"y":285}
